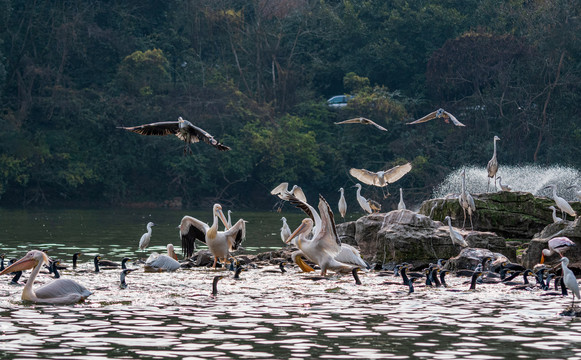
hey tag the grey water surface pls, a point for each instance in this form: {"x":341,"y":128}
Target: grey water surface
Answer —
{"x":266,"y":314}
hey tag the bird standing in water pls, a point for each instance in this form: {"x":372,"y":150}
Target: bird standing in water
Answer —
{"x":146,"y":238}
{"x":569,"y":279}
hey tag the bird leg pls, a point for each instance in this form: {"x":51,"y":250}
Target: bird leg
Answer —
{"x":464,"y":223}
{"x":385,"y":194}
{"x":471,"y":225}
{"x":215,"y":262}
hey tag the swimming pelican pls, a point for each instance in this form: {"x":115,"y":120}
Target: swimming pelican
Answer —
{"x":503,"y":187}
{"x":569,"y":279}
{"x":124,"y":272}
{"x":492,"y":166}
{"x":557,"y":245}
{"x":401,"y":204}
{"x":282,"y":192}
{"x":361,"y":120}
{"x":466,"y":201}
{"x":183,"y":129}
{"x":381,"y":178}
{"x":342,"y":204}
{"x":555,"y":217}
{"x":457,"y":238}
{"x":562,"y":203}
{"x":219,"y":242}
{"x":577,"y":192}
{"x":161,"y":262}
{"x":146,"y":238}
{"x":362,"y":201}
{"x":59,"y":291}
{"x":324,"y":245}
{"x":438,"y":114}
{"x":285,"y":231}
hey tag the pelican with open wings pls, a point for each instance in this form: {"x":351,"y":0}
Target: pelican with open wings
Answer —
{"x":438,"y":114}
{"x":220,"y":243}
{"x":361,"y":120}
{"x":381,"y":178}
{"x":324,"y":245}
{"x":183,"y":129}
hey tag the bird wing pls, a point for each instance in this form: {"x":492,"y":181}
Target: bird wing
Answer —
{"x":328,"y":240}
{"x":162,"y":262}
{"x":280,"y":189}
{"x":192,"y":229}
{"x":350,"y":255}
{"x":299,"y":194}
{"x":471,"y":201}
{"x":394,"y":174}
{"x":560,"y":244}
{"x":158,"y":128}
{"x":453,"y":118}
{"x":365,"y":176}
{"x":370,"y":122}
{"x":428,"y":117}
{"x":309,"y":210}
{"x":61,"y":288}
{"x":236,"y":234}
{"x":199,"y":134}
{"x":350,"y":121}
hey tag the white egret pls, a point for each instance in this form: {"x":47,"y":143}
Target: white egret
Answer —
{"x":492,"y":166}
{"x":562,"y":203}
{"x":569,"y":279}
{"x":229,"y":222}
{"x":503,"y":187}
{"x":282,"y":192}
{"x":466,"y":201}
{"x":361,"y":120}
{"x":457,"y":238}
{"x":438,"y":114}
{"x":557,"y":245}
{"x":59,"y":292}
{"x":362,"y":201}
{"x":342,"y":204}
{"x":161,"y":262}
{"x":381,"y":178}
{"x":146,"y":238}
{"x":183,"y":129}
{"x":285,"y":230}
{"x":556,"y":219}
{"x":401,"y":204}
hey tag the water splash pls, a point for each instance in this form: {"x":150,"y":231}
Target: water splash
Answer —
{"x":526,"y":178}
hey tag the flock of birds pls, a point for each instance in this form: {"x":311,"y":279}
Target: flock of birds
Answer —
{"x":315,"y":239}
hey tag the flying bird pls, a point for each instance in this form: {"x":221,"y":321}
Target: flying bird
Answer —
{"x":283,"y":192}
{"x":59,"y":291}
{"x":381,"y":178}
{"x":183,"y":129}
{"x":361,"y":120}
{"x":438,"y":114}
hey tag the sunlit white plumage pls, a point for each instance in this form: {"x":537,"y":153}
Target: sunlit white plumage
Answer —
{"x":569,"y":279}
{"x":342,"y":204}
{"x":161,"y":262}
{"x":60,"y":291}
{"x":381,"y":178}
{"x":146,"y":238}
{"x":362,"y":201}
{"x":557,"y":245}
{"x":562,"y":203}
{"x":503,"y":187}
{"x":555,"y":217}
{"x":492,"y":166}
{"x":456,"y":237}
{"x":285,"y":230}
{"x":438,"y":114}
{"x":283,"y":192}
{"x":401,"y":204}
{"x":361,"y":120}
{"x":466,"y":201}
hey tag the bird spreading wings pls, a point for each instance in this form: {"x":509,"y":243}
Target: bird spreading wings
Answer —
{"x":438,"y":114}
{"x":183,"y":129}
{"x":361,"y":120}
{"x":381,"y":178}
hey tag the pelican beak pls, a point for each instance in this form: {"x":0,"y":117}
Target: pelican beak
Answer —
{"x":296,"y":232}
{"x":27,"y":262}
{"x":223,"y":218}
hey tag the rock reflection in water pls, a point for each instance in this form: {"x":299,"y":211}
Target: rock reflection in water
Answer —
{"x":269,"y":315}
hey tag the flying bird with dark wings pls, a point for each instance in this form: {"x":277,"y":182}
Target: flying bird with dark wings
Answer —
{"x":183,"y":129}
{"x":361,"y":120}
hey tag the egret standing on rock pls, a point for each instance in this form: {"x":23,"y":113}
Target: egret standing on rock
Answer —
{"x":381,"y":178}
{"x":466,"y":201}
{"x":438,"y":114}
{"x":146,"y":238}
{"x":562,"y":203}
{"x":503,"y":187}
{"x":457,"y":238}
{"x":342,"y":204}
{"x":569,"y":279}
{"x":362,"y":201}
{"x":556,"y":219}
{"x":401,"y":204}
{"x":492,"y":166}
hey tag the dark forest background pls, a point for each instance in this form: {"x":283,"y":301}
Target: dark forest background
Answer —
{"x":256,"y":75}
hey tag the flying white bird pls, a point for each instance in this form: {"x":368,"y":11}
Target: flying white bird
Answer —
{"x":381,"y":178}
{"x":438,"y":114}
{"x":361,"y":120}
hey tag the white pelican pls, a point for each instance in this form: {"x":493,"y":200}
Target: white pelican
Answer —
{"x":456,"y":237}
{"x":361,"y":120}
{"x":562,"y":203}
{"x":362,"y":201}
{"x":492,"y":166}
{"x":324,"y":245}
{"x":401,"y":204}
{"x":285,"y":231}
{"x":577,"y":192}
{"x":555,"y":217}
{"x":146,"y":238}
{"x":183,"y":129}
{"x":342,"y":204}
{"x":381,"y":178}
{"x":60,"y":291}
{"x":438,"y":114}
{"x":282,"y":192}
{"x":569,"y":279}
{"x":503,"y":187}
{"x":466,"y":201}
{"x":160,"y":262}
{"x":557,"y":245}
{"x":220,"y":243}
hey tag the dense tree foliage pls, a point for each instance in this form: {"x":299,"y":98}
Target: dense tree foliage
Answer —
{"x":256,"y":74}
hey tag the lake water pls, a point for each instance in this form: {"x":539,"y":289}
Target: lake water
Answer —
{"x":266,"y":314}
